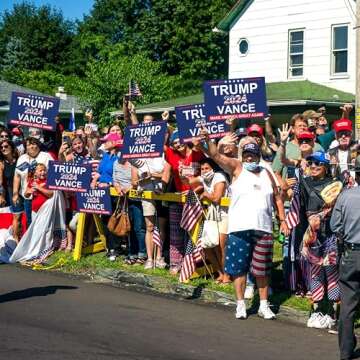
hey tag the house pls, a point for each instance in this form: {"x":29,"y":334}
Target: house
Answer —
{"x":67,"y":102}
{"x":293,"y":40}
{"x":304,"y":48}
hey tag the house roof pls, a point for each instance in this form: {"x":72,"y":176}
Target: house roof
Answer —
{"x":226,"y":22}
{"x":7,"y":88}
{"x":278,"y":94}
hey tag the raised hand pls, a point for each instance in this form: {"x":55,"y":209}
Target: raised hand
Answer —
{"x":204,"y":134}
{"x":165,"y":116}
{"x":284,"y":132}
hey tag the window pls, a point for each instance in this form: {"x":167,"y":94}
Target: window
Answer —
{"x":296,"y":53}
{"x":339,"y":49}
{"x":243,"y":47}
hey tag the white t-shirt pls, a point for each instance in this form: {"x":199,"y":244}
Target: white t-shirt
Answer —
{"x":210,"y":187}
{"x":343,"y":159}
{"x":22,"y":167}
{"x":251,"y":202}
{"x":154,"y":165}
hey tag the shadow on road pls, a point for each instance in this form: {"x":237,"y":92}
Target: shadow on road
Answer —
{"x":32,"y":292}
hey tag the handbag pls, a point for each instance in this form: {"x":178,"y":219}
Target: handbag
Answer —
{"x":119,"y":222}
{"x":210,"y":236}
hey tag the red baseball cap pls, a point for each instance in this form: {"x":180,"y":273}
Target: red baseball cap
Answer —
{"x":342,"y":125}
{"x":306,"y":135}
{"x":255,"y":128}
{"x":16,"y":131}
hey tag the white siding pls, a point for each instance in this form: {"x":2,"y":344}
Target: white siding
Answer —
{"x":266,"y":23}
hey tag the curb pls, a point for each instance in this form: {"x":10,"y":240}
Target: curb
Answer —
{"x":159,"y":285}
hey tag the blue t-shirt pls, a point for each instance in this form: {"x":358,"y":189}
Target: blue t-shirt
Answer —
{"x":106,"y":168}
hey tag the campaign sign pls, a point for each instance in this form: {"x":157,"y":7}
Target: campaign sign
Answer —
{"x":33,"y":110}
{"x":68,"y":176}
{"x":235,"y":98}
{"x":94,"y":201}
{"x":191,"y":118}
{"x":144,"y":140}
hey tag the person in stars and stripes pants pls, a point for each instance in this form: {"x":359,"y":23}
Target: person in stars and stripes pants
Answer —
{"x":249,"y":246}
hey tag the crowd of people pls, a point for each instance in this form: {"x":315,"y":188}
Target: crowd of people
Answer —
{"x":286,"y":179}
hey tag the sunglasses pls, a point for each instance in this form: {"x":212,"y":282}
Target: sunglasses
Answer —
{"x":344,"y":133}
{"x":305,"y":141}
{"x":2,"y":147}
{"x":316,"y":163}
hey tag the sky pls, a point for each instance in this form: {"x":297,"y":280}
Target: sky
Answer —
{"x":72,"y":9}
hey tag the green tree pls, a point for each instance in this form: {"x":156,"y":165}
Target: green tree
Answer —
{"x":107,"y":82}
{"x":176,"y":33}
{"x":14,"y":55}
{"x":179,"y":34}
{"x":43,"y":33}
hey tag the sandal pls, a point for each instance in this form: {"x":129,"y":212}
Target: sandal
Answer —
{"x":130,"y":261}
{"x":141,"y":260}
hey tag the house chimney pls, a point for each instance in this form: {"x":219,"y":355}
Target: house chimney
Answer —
{"x":61,"y":93}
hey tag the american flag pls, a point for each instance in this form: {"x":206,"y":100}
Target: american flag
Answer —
{"x":191,"y":212}
{"x":292,"y":217}
{"x":156,"y":237}
{"x":193,"y":255}
{"x":134,"y":89}
{"x":137,"y":163}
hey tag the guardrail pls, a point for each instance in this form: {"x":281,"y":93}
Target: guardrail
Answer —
{"x":133,"y":194}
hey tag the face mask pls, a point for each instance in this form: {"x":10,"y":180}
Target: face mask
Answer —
{"x":208,"y":176}
{"x":252,"y":166}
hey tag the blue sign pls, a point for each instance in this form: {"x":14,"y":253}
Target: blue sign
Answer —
{"x":191,"y":118}
{"x":144,"y":140}
{"x":94,"y":201}
{"x":235,"y":98}
{"x":68,"y":176}
{"x":33,"y":110}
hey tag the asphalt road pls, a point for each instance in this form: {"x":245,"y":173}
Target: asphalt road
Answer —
{"x":49,"y":316}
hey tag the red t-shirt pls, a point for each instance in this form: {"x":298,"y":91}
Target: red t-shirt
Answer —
{"x":189,"y":164}
{"x":38,"y":197}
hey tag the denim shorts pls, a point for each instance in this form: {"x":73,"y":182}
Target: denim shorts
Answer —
{"x":18,"y":207}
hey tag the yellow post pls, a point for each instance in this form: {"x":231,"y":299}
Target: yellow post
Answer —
{"x":133,"y":194}
{"x":79,"y":237}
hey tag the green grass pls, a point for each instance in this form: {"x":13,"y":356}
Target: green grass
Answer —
{"x":90,"y":264}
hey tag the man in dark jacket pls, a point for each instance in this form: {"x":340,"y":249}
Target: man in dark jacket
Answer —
{"x":345,"y":222}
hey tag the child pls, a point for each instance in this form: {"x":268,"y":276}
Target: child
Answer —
{"x":37,"y":188}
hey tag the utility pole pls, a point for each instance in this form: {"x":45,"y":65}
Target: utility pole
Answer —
{"x":357,"y":100}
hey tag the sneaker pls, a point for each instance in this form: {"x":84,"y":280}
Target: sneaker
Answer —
{"x":318,"y":321}
{"x":241,"y":311}
{"x":249,"y":292}
{"x":331,"y":324}
{"x":160,"y":263}
{"x":266,"y":313}
{"x":149,"y":264}
{"x":112,"y":255}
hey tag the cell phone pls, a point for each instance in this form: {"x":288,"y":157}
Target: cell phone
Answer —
{"x":291,"y":170}
{"x":66,"y":139}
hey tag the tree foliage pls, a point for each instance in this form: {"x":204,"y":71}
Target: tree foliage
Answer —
{"x":107,"y":81}
{"x":167,"y":46}
{"x":43,"y":33}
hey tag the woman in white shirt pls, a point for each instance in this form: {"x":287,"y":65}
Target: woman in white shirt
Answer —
{"x":149,"y":176}
{"x":214,"y":185}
